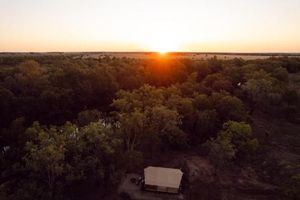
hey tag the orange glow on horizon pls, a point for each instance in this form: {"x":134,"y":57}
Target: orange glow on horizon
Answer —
{"x":162,"y":53}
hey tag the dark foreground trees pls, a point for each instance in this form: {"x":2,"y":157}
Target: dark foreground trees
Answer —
{"x":58,"y":159}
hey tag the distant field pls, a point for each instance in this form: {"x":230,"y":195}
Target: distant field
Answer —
{"x":146,"y":55}
{"x":194,"y":55}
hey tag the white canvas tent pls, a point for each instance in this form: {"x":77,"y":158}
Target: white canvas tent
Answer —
{"x":162,"y":179}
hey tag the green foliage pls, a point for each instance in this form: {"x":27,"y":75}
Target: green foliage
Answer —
{"x":218,"y":82}
{"x":190,"y":86}
{"x":240,"y":135}
{"x":61,"y":157}
{"x":124,"y":110}
{"x":144,"y":118}
{"x":281,"y":74}
{"x":233,"y":140}
{"x":55,"y":89}
{"x":45,"y":155}
{"x":131,"y":128}
{"x":206,"y":124}
{"x":87,"y":116}
{"x":230,"y":108}
{"x":221,"y":151}
{"x":202,"y":102}
{"x":264,"y":91}
{"x":258,"y":90}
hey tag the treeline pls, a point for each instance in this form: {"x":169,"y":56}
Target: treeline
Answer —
{"x":68,"y":125}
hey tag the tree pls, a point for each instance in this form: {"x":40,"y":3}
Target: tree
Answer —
{"x":45,"y":157}
{"x":203,"y":71}
{"x":206,"y":124}
{"x":221,"y":152}
{"x":202,"y":102}
{"x":258,"y":91}
{"x":229,"y":107}
{"x":174,"y":100}
{"x":96,"y":155}
{"x":149,"y":116}
{"x":281,"y":74}
{"x":190,"y":86}
{"x":165,"y":123}
{"x":7,"y":101}
{"x":240,"y":135}
{"x":233,"y":140}
{"x":132,"y":128}
{"x":218,"y":82}
{"x":145,"y":97}
{"x":58,"y":158}
{"x":88,"y":116}
{"x":30,"y":69}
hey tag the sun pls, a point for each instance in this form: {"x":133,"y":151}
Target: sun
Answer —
{"x":163,"y":52}
{"x":161,"y":43}
{"x":163,"y":46}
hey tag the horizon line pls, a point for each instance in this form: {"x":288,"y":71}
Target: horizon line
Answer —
{"x":191,"y":52}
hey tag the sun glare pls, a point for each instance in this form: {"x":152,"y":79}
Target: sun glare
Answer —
{"x":162,"y":53}
{"x":163,"y":46}
{"x":161,"y":42}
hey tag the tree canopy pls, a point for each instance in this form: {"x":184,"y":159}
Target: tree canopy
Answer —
{"x":69,"y":124}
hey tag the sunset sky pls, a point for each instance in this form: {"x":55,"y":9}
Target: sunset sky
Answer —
{"x":150,"y":25}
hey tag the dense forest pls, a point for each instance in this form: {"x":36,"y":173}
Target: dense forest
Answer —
{"x":69,"y":126}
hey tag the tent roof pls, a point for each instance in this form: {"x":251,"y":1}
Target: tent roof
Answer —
{"x":165,"y":177}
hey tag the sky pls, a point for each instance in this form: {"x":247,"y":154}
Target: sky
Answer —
{"x":150,"y":25}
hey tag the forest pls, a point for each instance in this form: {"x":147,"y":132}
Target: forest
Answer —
{"x":71,"y":126}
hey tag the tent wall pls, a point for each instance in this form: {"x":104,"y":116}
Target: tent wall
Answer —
{"x":160,"y":189}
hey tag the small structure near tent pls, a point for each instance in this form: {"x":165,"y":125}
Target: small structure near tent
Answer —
{"x":162,"y":179}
